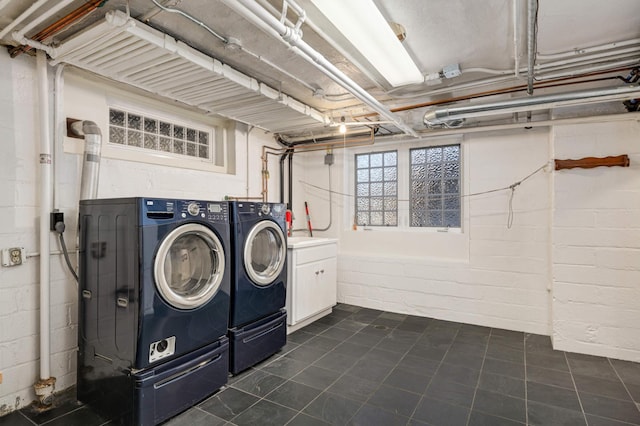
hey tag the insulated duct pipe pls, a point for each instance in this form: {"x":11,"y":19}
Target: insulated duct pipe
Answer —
{"x":444,"y":116}
{"x":260,"y":17}
{"x":91,"y":157}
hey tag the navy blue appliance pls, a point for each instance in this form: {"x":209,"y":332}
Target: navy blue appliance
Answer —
{"x":257,"y":323}
{"x":154,"y":290}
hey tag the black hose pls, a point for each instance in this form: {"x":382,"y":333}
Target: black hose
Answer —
{"x":60,"y":230}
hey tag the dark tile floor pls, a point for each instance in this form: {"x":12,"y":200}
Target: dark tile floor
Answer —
{"x":366,"y":367}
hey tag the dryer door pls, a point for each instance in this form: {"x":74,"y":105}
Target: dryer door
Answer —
{"x":189,"y":266}
{"x":265,"y":252}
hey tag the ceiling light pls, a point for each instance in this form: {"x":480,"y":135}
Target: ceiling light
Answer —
{"x":363,"y":25}
{"x":343,"y":126}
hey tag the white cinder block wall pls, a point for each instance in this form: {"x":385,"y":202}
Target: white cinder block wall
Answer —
{"x":596,"y":243}
{"x":19,"y":216}
{"x":487,"y":274}
{"x":569,"y":266}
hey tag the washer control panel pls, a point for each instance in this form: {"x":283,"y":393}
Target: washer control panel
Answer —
{"x":211,"y":211}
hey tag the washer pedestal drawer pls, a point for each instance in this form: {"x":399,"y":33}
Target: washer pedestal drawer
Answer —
{"x":151,"y":396}
{"x":256,"y":341}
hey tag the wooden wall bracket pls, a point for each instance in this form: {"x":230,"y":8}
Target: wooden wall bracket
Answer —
{"x":591,"y":162}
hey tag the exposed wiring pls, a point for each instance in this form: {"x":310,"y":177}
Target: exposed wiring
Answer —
{"x":326,"y":228}
{"x":192,"y":19}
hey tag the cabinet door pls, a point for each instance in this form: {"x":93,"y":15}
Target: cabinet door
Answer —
{"x":315,"y":288}
{"x":327,"y":284}
{"x":306,"y":293}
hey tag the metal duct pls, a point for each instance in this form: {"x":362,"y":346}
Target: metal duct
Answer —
{"x":91,"y":157}
{"x":455,"y":115}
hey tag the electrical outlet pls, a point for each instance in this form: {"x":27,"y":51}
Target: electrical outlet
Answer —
{"x":13,"y":256}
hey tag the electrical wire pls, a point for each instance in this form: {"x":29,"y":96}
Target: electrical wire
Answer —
{"x":59,"y":228}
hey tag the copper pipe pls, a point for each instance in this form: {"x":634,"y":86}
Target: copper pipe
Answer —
{"x":58,"y":25}
{"x":558,"y":82}
{"x":338,"y":143}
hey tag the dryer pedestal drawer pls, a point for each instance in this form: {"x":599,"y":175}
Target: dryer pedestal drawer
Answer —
{"x":257,"y":341}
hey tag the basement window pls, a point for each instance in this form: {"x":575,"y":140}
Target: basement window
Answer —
{"x":162,"y":136}
{"x":377,"y":189}
{"x":435,"y":187}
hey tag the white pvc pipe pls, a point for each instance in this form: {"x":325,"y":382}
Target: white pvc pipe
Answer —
{"x":532,"y":6}
{"x":35,"y":6}
{"x":516,"y":37}
{"x":593,"y":49}
{"x":45,"y":209}
{"x":59,"y":126}
{"x":45,"y":15}
{"x":20,"y":38}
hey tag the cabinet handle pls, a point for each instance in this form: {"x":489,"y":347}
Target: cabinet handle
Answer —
{"x":317,"y":272}
{"x":322,"y":271}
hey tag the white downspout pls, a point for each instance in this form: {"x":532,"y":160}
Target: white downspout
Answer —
{"x":45,"y":386}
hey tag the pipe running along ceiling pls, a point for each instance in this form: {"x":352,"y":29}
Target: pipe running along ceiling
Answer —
{"x":280,"y":66}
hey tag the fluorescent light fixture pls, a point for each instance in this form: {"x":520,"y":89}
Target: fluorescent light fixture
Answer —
{"x":363,"y":25}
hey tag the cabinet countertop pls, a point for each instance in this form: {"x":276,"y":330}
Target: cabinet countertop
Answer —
{"x":300,"y":242}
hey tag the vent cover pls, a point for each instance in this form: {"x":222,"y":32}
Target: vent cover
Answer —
{"x":131,"y":52}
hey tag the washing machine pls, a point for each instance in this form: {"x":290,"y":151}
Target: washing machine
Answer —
{"x":257,"y":322}
{"x":154,"y":299}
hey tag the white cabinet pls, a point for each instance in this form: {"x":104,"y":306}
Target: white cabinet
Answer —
{"x":312,"y":281}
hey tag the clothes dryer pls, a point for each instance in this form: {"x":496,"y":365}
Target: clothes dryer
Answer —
{"x":154,"y":304}
{"x":257,"y":324}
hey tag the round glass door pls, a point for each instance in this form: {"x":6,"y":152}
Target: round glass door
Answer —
{"x":189,"y":266}
{"x":265,"y":252}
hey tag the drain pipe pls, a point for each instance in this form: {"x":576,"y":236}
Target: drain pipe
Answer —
{"x":91,"y":157}
{"x":282,"y":158}
{"x":45,"y":386}
{"x":290,"y":178}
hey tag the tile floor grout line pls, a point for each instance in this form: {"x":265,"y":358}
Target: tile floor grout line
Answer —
{"x":576,"y":389}
{"x":332,"y":383}
{"x":435,"y":371}
{"x":475,"y":391}
{"x":390,"y":371}
{"x":623,"y":384}
{"x":526,"y":386}
{"x":28,"y":419}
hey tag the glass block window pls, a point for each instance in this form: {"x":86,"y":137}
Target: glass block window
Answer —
{"x":435,"y":186}
{"x":150,"y":133}
{"x":377,"y":189}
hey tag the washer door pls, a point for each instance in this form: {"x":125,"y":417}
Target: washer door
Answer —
{"x":265,"y":252}
{"x":189,"y":266}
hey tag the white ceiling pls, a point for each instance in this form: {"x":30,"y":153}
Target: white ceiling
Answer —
{"x":487,"y":34}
